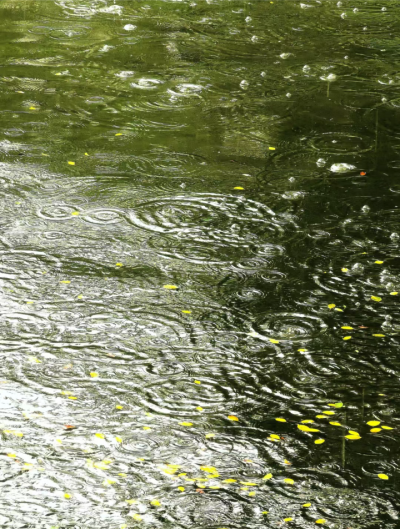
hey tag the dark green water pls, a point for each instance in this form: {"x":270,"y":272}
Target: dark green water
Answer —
{"x":248,"y":154}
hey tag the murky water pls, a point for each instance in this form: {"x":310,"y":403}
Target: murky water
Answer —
{"x":200,"y":266}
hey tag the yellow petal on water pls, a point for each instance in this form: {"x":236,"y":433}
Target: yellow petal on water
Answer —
{"x":209,"y":435}
{"x":119,"y":134}
{"x":289,"y":481}
{"x":375,"y":430}
{"x":353,"y":436}
{"x":265,"y":512}
{"x":13,"y":456}
{"x":378,"y":262}
{"x":331,"y":306}
{"x":287,"y":462}
{"x":123,"y":526}
{"x":345,"y":269}
{"x":306,"y":505}
{"x":99,"y":435}
{"x":374,"y":423}
{"x":274,"y":436}
{"x":72,"y":398}
{"x":75,"y":213}
{"x":93,"y":374}
{"x":338,"y":310}
{"x":146,"y":428}
{"x":210,"y":470}
{"x":383,"y":476}
{"x":279,"y":419}
{"x":347,"y":338}
{"x":34,"y":360}
{"x":86,"y":154}
{"x":329,"y":412}
{"x":67,"y":496}
{"x":305,"y":428}
{"x":131,"y":501}
{"x":376,"y":298}
{"x":137,"y":517}
{"x":156,"y":503}
{"x":187,"y":312}
{"x":32,"y":108}
{"x":118,"y":439}
{"x":252,"y":493}
{"x":394,"y":293}
{"x":302,"y":350}
{"x":29,"y":302}
{"x":230,"y":480}
{"x":288,"y":519}
{"x":119,"y":264}
{"x":197,"y":382}
{"x":319,"y":441}
{"x":181,"y":489}
{"x":307,"y":421}
{"x":119,"y":407}
{"x":321,"y":416}
{"x":268,"y":476}
{"x":186,"y":423}
{"x":379,"y":335}
{"x":334,"y":423}
{"x":239,"y":188}
{"x":387,"y":428}
{"x":65,"y":281}
{"x":199,"y":408}
{"x":321,"y":521}
{"x":170,"y":287}
{"x":232,"y":418}
{"x":271,"y":148}
{"x":347,"y":328}
{"x":273,"y":341}
{"x":249,"y":483}
{"x":71,"y":163}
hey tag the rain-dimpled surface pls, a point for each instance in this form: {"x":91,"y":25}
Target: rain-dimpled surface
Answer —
{"x":199,"y":251}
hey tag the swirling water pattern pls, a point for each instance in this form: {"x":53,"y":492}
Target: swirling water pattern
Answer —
{"x":199,"y":264}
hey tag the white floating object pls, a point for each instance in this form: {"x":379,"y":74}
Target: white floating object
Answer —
{"x":129,"y":27}
{"x":342,"y":167}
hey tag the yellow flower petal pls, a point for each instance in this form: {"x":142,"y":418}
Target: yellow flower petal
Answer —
{"x":239,"y":188}
{"x":119,"y":407}
{"x":394,"y":293}
{"x":99,"y":435}
{"x":334,"y":423}
{"x":93,"y":374}
{"x":321,"y":521}
{"x":232,"y":418}
{"x":376,"y":298}
{"x":387,"y":428}
{"x":331,"y":306}
{"x":306,"y":505}
{"x":267,"y":477}
{"x":279,"y":419}
{"x":271,"y":148}
{"x":345,"y":269}
{"x":118,"y":439}
{"x":347,"y":328}
{"x":274,"y":436}
{"x":210,"y":435}
{"x":230,"y":480}
{"x":71,"y":163}
{"x":353,"y":437}
{"x":374,"y":423}
{"x":273,"y":341}
{"x":375,"y":430}
{"x":288,"y":519}
{"x":383,"y":476}
{"x":67,"y":496}
{"x":197,"y":382}
{"x":119,"y":264}
{"x":186,"y":423}
{"x":187,"y":312}
{"x":347,"y":338}
{"x":378,"y":262}
{"x":289,"y":481}
{"x":156,"y":503}
{"x":319,"y":441}
{"x":170,"y":287}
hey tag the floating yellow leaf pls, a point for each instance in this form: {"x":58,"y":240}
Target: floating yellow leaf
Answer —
{"x":329,"y":412}
{"x":181,"y":489}
{"x":66,"y":282}
{"x":267,"y":477}
{"x":210,"y":470}
{"x":71,"y":163}
{"x":199,"y":408}
{"x":131,"y":502}
{"x":93,"y":374}
{"x":331,"y":306}
{"x":387,"y":428}
{"x":86,"y":154}
{"x":137,"y":517}
{"x":304,"y":428}
{"x":345,"y":269}
{"x":99,"y":435}
{"x":321,"y":521}
{"x":334,"y":423}
{"x":302,"y":350}
{"x":232,"y":418}
{"x":13,"y":456}
{"x":239,"y":188}
{"x":156,"y":503}
{"x":271,"y":148}
{"x":394,"y":293}
{"x":67,"y":496}
{"x":376,"y":298}
{"x":101,"y":465}
{"x":378,"y":262}
{"x":118,"y":439}
{"x":347,"y":338}
{"x":146,"y":428}
{"x":123,"y":526}
{"x":287,"y":462}
{"x":186,"y":423}
{"x":321,"y":416}
{"x":375,"y":430}
{"x":72,"y":398}
{"x":374,"y":423}
{"x":279,"y":419}
{"x":288,"y":519}
{"x":289,"y":481}
{"x":353,"y":436}
{"x":75,"y":213}
{"x":383,"y":476}
{"x":379,"y":335}
{"x":210,"y":435}
{"x":119,"y":264}
{"x":338,"y":310}
{"x":273,"y":341}
{"x":306,"y":504}
{"x":336,"y":405}
{"x":307,"y":421}
{"x":229,"y":480}
{"x":119,"y":407}
{"x":32,"y":108}
{"x":319,"y":441}
{"x":197,"y":382}
{"x":265,"y":512}
{"x":274,"y":436}
{"x":252,"y":493}
{"x":119,"y":134}
{"x":347,"y":328}
{"x":170,"y":287}
{"x":187,"y":312}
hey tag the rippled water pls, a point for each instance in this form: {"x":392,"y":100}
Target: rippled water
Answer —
{"x":199,"y":253}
